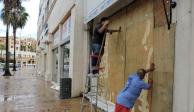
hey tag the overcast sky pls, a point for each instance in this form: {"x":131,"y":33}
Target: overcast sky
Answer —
{"x":30,"y":29}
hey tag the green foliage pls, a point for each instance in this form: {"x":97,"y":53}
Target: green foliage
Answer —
{"x":2,"y":47}
{"x":22,"y":48}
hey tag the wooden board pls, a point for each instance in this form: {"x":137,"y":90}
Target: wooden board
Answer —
{"x":139,"y":45}
{"x":163,"y":76}
{"x":139,"y":54}
{"x":113,"y":59}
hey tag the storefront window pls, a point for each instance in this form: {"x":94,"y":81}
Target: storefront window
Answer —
{"x":66,"y":52}
{"x":55,"y":65}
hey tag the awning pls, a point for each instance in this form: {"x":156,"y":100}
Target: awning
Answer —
{"x":108,"y":7}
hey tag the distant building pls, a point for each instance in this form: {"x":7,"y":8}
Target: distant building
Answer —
{"x":25,"y":50}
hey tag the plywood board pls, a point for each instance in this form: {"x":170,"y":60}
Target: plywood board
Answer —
{"x":163,"y":75}
{"x":139,"y":47}
{"x":139,"y":54}
{"x":113,"y":59}
{"x":128,"y":50}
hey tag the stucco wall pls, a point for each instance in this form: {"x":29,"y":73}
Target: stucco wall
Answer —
{"x":61,"y":8}
{"x":183,"y":85}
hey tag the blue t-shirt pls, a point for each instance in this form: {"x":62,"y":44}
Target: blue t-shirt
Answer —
{"x":131,"y":91}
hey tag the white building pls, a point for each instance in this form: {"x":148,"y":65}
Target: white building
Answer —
{"x":61,"y":46}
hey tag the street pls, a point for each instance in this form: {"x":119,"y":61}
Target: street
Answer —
{"x":26,"y":92}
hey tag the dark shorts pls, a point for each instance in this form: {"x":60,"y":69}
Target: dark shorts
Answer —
{"x":97,"y":50}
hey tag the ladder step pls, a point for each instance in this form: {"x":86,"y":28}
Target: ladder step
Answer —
{"x":90,"y":94}
{"x":94,"y":86}
{"x":93,"y":75}
{"x":90,"y":86}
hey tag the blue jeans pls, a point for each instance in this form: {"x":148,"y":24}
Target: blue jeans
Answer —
{"x":95,"y":60}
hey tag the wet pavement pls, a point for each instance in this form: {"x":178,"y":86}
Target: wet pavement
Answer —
{"x":26,"y":92}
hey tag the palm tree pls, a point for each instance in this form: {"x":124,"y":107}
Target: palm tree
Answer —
{"x":9,"y":6}
{"x":18,"y":21}
{"x":5,"y":16}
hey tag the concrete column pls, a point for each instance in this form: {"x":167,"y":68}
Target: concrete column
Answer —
{"x":76,"y":48}
{"x":60,"y":67}
{"x":42,"y":64}
{"x":86,"y":49}
{"x":49,"y":60}
{"x":191,"y":88}
{"x":183,"y":42}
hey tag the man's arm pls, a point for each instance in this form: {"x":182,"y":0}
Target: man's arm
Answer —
{"x":151,"y":69}
{"x":104,"y":27}
{"x":147,"y":85}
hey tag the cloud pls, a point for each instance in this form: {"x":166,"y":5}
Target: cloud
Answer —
{"x":30,"y":30}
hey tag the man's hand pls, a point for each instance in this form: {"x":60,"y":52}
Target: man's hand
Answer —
{"x":151,"y":83}
{"x":104,"y":27}
{"x":152,"y":67}
{"x":106,"y":23}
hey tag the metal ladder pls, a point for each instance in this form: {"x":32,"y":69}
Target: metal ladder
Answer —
{"x":91,"y":91}
{"x":90,"y":95}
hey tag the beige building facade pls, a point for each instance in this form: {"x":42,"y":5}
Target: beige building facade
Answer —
{"x":61,"y":43}
{"x":25,"y":49}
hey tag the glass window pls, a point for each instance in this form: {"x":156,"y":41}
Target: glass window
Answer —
{"x":66,"y":53}
{"x":55,"y":65}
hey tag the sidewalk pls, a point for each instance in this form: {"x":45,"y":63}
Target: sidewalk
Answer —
{"x":25,"y":92}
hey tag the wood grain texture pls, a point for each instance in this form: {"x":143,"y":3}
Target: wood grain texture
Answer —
{"x":163,"y":76}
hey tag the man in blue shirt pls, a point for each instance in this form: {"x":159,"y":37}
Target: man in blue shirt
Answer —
{"x":132,"y":90}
